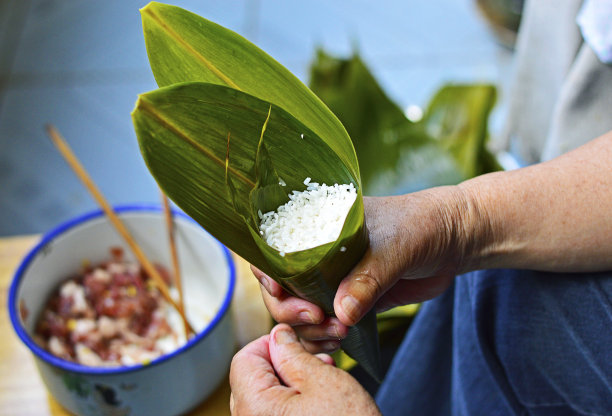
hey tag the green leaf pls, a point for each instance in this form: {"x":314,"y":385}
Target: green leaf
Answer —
{"x":457,"y":116}
{"x":200,"y":137}
{"x":183,"y":129}
{"x":197,"y":138}
{"x":396,"y":155}
{"x":183,"y":46}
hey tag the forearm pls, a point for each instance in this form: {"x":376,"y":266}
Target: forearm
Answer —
{"x":554,"y":216}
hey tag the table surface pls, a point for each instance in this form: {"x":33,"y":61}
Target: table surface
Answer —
{"x":22,"y":392}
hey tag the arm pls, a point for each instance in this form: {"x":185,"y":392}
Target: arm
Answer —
{"x":554,"y":216}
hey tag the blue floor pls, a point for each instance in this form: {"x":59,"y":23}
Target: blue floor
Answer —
{"x":80,"y":65}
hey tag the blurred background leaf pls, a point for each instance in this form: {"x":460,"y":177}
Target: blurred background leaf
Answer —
{"x":396,"y":155}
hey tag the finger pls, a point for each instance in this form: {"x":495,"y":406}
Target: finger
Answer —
{"x":407,"y":291}
{"x":316,"y":347}
{"x":291,"y":310}
{"x":252,"y":367}
{"x":231,"y":403}
{"x":268,"y":283}
{"x":326,"y":358}
{"x":329,"y":329}
{"x":292,"y":363}
{"x":255,"y":387}
{"x":359,"y":291}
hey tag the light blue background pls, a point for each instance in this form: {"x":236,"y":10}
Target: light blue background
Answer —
{"x":80,"y":65}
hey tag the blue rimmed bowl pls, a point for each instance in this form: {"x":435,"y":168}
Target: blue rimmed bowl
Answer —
{"x":169,"y":385}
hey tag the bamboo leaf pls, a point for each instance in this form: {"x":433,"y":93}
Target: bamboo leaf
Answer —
{"x":182,"y":131}
{"x":269,"y":186}
{"x":183,"y":135}
{"x":395,"y":154}
{"x":183,"y":46}
{"x":229,"y":134}
{"x":457,"y":116}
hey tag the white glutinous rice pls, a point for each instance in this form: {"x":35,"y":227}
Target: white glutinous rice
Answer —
{"x":311,"y":218}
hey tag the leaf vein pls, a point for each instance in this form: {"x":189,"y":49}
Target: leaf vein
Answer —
{"x":147,"y":108}
{"x":157,"y":19}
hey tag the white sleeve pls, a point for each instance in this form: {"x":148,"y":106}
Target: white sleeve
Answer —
{"x":595,"y":21}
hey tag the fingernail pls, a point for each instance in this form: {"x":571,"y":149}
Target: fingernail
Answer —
{"x":351,"y":307}
{"x":323,"y":357}
{"x":306,"y":317}
{"x":330,"y":346}
{"x":285,"y":337}
{"x":334,"y":331}
{"x":266,"y":283}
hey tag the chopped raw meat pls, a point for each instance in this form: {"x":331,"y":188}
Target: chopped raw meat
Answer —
{"x":111,"y":315}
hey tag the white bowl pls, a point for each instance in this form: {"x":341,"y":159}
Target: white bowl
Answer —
{"x":169,"y":385}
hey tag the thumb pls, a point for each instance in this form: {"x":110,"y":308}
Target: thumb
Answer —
{"x":290,"y":360}
{"x":359,"y":291}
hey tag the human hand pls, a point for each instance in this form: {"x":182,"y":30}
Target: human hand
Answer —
{"x":417,"y":245}
{"x":274,"y":375}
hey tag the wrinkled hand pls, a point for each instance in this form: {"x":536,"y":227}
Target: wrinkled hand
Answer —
{"x":416,"y":248}
{"x":274,"y":375}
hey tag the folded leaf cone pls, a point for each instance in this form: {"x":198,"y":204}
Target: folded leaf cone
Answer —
{"x":229,"y":133}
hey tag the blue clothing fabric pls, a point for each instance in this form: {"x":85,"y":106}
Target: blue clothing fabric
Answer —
{"x":507,"y":342}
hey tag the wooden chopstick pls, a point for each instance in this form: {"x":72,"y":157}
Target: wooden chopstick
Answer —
{"x":74,"y":163}
{"x":176,"y":271}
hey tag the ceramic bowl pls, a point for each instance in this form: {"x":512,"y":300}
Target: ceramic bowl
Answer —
{"x":169,"y":385}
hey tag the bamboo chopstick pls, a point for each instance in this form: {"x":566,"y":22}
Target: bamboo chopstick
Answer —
{"x":81,"y":173}
{"x":176,"y":271}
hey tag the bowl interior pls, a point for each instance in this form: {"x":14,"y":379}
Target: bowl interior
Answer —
{"x":206,"y":268}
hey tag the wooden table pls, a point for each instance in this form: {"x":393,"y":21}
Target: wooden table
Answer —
{"x":23,"y":393}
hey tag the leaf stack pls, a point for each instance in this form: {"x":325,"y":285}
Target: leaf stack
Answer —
{"x":227,"y":127}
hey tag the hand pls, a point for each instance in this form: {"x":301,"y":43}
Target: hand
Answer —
{"x":416,"y":248}
{"x":553,"y":216}
{"x":274,"y":375}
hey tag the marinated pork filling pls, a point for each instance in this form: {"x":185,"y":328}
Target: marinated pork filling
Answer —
{"x":110,"y":315}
